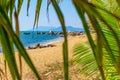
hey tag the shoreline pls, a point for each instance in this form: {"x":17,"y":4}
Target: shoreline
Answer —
{"x":53,"y":41}
{"x":59,"y":39}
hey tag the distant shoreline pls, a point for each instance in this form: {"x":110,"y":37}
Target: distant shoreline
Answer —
{"x":30,"y":41}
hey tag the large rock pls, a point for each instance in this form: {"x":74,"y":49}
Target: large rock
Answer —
{"x":51,"y":32}
{"x":75,"y":33}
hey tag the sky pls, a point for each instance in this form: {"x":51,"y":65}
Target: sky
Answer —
{"x":66,"y":6}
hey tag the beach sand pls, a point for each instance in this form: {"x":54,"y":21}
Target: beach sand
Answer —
{"x":44,"y":56}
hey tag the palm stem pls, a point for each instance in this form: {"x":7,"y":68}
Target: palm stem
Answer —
{"x":5,"y":69}
{"x":18,"y":35}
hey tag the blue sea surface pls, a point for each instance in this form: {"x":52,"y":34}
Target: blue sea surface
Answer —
{"x":31,"y":37}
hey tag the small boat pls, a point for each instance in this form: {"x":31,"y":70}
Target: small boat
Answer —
{"x":38,"y":32}
{"x":26,"y":33}
{"x":41,"y":33}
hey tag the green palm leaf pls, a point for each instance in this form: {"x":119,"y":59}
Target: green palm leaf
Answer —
{"x":83,"y":55}
{"x":65,"y":44}
{"x":20,"y":2}
{"x":28,"y":5}
{"x":9,"y":54}
{"x":4,"y":21}
{"x":48,"y":4}
{"x":37,"y":13}
{"x":104,"y":23}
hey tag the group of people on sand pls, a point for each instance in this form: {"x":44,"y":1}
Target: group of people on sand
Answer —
{"x":41,"y":46}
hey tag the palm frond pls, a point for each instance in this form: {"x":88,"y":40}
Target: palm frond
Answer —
{"x":9,"y":54}
{"x":65,"y":44}
{"x":104,"y":22}
{"x":6,"y":25}
{"x":20,"y":2}
{"x":28,"y":5}
{"x":48,"y":4}
{"x":37,"y":13}
{"x":83,"y":55}
{"x":16,"y":13}
{"x":12,"y":2}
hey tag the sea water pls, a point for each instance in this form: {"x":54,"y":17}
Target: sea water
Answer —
{"x":31,"y":38}
{"x":34,"y":38}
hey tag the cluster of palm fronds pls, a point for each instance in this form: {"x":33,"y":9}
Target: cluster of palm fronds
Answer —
{"x":9,"y":39}
{"x":104,"y":52}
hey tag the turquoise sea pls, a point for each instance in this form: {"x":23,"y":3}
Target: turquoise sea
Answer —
{"x":33,"y":37}
{"x":30,"y":38}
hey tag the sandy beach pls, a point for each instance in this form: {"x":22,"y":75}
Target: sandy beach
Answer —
{"x":44,"y":56}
